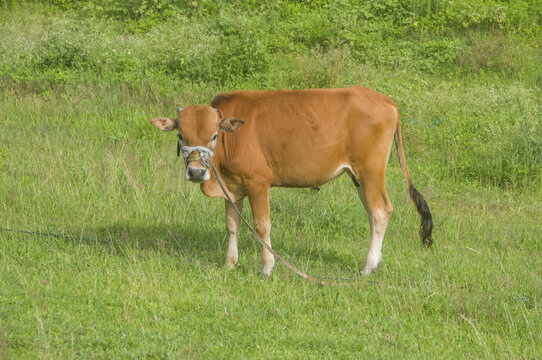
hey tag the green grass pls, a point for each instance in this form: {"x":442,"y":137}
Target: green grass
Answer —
{"x":142,"y":274}
{"x":148,"y":279}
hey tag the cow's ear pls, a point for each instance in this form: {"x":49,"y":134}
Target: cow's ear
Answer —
{"x":231,"y":124}
{"x":164,"y":123}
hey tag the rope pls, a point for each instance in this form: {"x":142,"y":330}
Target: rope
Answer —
{"x":317,"y":279}
{"x":58,"y":236}
{"x":95,"y":240}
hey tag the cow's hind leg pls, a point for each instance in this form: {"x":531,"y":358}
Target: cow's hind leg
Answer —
{"x":233,"y":221}
{"x":372,"y":192}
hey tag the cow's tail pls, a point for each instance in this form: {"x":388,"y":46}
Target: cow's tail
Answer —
{"x":427,"y":220}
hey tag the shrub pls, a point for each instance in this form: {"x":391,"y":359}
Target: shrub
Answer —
{"x":61,"y":50}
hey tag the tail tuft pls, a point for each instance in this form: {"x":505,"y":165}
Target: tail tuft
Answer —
{"x":427,"y":220}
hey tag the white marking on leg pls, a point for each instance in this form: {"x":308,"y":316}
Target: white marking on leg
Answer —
{"x":379,"y":221}
{"x":232,"y":226}
{"x":232,"y":255}
{"x":268,"y":260}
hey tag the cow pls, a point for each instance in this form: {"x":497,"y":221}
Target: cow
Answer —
{"x":299,"y":139}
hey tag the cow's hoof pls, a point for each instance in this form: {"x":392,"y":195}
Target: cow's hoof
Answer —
{"x":267,"y":266}
{"x":266,"y":270}
{"x":371,"y":264}
{"x":231,"y":263}
{"x":368,"y":270}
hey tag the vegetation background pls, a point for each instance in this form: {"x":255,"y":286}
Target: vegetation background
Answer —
{"x":142,"y":276}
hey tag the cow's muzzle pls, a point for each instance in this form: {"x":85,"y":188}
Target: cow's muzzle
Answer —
{"x":197,"y":174}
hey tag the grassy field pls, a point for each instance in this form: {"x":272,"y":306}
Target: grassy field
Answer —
{"x":142,"y":272}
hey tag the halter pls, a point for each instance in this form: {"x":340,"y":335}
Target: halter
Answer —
{"x":204,"y":155}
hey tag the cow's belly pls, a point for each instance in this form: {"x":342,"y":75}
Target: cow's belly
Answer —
{"x":310,"y":175}
{"x":307,"y":161}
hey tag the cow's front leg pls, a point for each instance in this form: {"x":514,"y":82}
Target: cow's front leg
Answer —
{"x":232,"y":226}
{"x":259,"y":201}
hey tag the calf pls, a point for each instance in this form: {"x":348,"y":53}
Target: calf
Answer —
{"x":294,"y":138}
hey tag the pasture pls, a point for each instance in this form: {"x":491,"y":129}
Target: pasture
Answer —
{"x":141,"y":271}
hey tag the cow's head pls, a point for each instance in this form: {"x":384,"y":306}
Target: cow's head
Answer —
{"x":197,"y":126}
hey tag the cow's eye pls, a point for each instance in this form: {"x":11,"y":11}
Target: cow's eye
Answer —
{"x":214,"y":137}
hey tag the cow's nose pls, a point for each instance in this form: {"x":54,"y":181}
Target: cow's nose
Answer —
{"x":196,"y":173}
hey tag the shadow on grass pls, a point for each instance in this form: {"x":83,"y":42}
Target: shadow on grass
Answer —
{"x":206,"y":245}
{"x":196,"y":244}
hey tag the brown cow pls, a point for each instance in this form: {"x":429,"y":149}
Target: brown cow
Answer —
{"x":295,"y":138}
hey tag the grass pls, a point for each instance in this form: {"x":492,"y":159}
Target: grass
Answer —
{"x":148,"y":278}
{"x":142,"y":273}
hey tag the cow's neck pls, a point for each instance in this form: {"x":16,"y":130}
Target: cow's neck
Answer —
{"x":211,"y":187}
